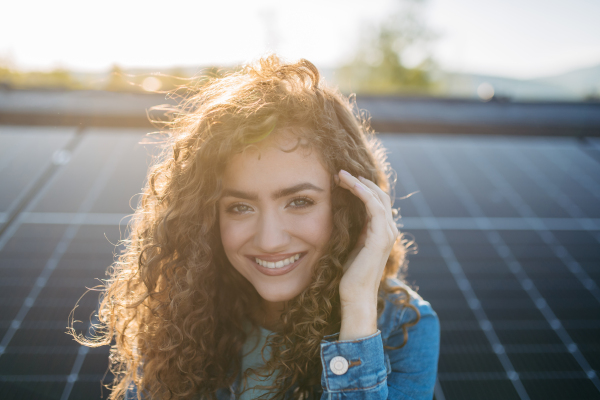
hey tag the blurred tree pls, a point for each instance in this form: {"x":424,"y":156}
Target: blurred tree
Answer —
{"x":56,"y":79}
{"x":174,"y":78}
{"x":394,"y":57}
{"x":118,"y":82}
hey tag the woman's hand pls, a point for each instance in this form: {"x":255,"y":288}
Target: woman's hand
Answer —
{"x":365,"y":265}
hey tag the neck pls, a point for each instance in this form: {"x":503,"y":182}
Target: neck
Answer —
{"x":270,"y":313}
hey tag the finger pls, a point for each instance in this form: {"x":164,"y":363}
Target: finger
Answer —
{"x":385,"y":199}
{"x":375,"y":209}
{"x":383,"y":196}
{"x":348,"y":181}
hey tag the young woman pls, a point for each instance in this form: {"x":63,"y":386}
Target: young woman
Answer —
{"x":263,"y":259}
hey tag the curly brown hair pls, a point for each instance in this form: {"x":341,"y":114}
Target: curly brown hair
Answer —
{"x":174,"y":307}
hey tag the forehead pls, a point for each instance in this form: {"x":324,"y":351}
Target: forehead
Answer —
{"x":273,"y":162}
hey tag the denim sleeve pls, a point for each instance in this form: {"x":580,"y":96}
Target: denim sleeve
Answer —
{"x":406,"y":373}
{"x":131,"y":393}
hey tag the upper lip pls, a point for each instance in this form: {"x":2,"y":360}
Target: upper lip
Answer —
{"x":273,"y":257}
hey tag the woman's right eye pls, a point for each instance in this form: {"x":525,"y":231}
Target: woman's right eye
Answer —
{"x":239,"y":209}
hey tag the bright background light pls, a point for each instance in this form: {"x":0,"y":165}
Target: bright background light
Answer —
{"x":516,"y":38}
{"x":522,"y":39}
{"x":95,"y":35}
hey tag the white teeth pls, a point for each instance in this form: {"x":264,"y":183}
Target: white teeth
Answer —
{"x":278,"y":264}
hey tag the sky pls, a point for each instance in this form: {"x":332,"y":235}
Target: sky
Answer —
{"x":514,"y":38}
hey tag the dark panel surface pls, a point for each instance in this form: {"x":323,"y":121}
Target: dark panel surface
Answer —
{"x":508,"y":235}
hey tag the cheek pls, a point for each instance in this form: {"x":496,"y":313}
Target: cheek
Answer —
{"x":233,"y":235}
{"x":317,"y":228}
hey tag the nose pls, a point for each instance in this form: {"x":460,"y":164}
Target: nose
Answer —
{"x":271,"y":234}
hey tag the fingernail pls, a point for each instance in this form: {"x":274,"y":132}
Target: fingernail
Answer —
{"x":359,"y":186}
{"x":345,"y":172}
{"x":361,"y":178}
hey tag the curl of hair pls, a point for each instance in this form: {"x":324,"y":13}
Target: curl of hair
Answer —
{"x":174,"y":306}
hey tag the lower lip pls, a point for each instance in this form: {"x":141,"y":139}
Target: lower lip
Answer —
{"x":278,"y":271}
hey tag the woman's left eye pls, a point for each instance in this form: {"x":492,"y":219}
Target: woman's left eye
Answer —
{"x":301,"y":202}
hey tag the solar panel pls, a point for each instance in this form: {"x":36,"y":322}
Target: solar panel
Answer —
{"x":508,"y":231}
{"x":500,"y":271}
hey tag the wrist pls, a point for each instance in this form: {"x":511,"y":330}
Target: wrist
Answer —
{"x":358,"y":297}
{"x":359,"y":319}
{"x":355,"y":285}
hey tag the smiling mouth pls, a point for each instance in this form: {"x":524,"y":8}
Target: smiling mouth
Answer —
{"x":277,"y":267}
{"x":278,"y":264}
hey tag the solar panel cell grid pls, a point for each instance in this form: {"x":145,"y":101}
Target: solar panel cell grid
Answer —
{"x":32,"y":390}
{"x":24,"y":154}
{"x":518,"y":302}
{"x":480,"y":389}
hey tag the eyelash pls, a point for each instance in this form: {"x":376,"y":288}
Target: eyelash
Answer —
{"x":309,"y":202}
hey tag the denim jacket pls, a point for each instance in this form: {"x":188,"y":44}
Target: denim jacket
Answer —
{"x":373,"y":372}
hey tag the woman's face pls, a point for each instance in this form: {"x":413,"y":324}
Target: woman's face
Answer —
{"x":275,"y":216}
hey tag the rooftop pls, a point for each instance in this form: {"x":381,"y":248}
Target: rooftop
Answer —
{"x":507,"y":226}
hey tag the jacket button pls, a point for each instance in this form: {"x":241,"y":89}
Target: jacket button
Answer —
{"x":338,"y":365}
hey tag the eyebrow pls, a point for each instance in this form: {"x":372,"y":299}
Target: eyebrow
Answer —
{"x":278,"y":194}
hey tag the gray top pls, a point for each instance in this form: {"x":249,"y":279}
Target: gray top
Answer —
{"x":252,"y":358}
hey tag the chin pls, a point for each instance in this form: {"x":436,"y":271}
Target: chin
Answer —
{"x":274,"y":295}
